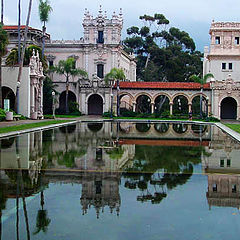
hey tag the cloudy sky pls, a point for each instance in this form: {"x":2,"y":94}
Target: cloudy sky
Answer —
{"x":193,"y":16}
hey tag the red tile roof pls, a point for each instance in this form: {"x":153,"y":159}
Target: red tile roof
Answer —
{"x":14,"y":27}
{"x":162,"y":85}
{"x":154,"y":142}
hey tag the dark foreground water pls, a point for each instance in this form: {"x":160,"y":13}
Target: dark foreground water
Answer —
{"x":120,"y":181}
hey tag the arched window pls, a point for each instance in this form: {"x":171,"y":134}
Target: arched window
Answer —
{"x":100,"y":70}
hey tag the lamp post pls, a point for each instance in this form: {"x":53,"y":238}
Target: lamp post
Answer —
{"x":53,"y":104}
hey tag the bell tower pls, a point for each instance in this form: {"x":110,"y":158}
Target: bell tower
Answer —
{"x":101,"y":30}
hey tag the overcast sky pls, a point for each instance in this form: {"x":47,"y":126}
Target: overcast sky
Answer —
{"x":193,"y":16}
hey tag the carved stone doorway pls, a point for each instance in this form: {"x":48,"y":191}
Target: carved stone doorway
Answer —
{"x":95,"y":105}
{"x":228,"y":108}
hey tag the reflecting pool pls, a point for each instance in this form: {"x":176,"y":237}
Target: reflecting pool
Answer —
{"x":120,"y":181}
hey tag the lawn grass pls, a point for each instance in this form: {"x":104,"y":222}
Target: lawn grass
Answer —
{"x":60,"y":116}
{"x":30,"y":125}
{"x":235,"y":127}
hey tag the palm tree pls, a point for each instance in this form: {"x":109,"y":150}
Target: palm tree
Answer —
{"x":202,"y":81}
{"x":23,"y":52}
{"x":115,"y":74}
{"x":68,"y":69}
{"x":44,"y":10}
{"x":3,"y":51}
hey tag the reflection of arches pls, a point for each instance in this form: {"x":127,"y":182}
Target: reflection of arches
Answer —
{"x":180,"y":105}
{"x":7,"y":142}
{"x":143,"y":104}
{"x":196,"y":105}
{"x":62,"y":100}
{"x":95,"y":105}
{"x":126,"y":100}
{"x":228,"y":108}
{"x":7,"y":93}
{"x":180,"y":128}
{"x":161,"y":127}
{"x":95,"y":127}
{"x":198,"y":129}
{"x":125,"y":127}
{"x":161,"y":104}
{"x":68,"y":129}
{"x":143,"y":127}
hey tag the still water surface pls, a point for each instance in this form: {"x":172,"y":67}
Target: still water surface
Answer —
{"x":120,"y":181}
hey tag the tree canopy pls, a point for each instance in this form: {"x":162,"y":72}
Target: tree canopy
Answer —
{"x":162,"y":54}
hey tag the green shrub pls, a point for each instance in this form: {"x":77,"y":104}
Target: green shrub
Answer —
{"x":108,"y":114}
{"x":127,"y":113}
{"x":165,"y":114}
{"x":213,"y":119}
{"x":73,"y":108}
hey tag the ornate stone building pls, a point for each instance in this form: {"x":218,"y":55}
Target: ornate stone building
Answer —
{"x":223,"y":61}
{"x":97,"y":53}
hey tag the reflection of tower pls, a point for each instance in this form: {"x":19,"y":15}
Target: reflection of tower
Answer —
{"x":223,"y":191}
{"x":100,"y":190}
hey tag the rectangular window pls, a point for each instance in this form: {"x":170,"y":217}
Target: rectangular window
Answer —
{"x":224,"y":66}
{"x":228,"y":162}
{"x":98,"y":185}
{"x":217,"y":40}
{"x":230,"y":66}
{"x":100,"y":37}
{"x":99,"y":154}
{"x":234,"y":188}
{"x":100,"y":70}
{"x":50,"y":63}
{"x":222,"y":163}
{"x":214,"y":187}
{"x":236,"y":40}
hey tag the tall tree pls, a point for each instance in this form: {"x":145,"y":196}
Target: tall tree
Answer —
{"x":162,"y":54}
{"x":23,"y":52}
{"x":68,"y":69}
{"x":44,"y":11}
{"x":3,"y":51}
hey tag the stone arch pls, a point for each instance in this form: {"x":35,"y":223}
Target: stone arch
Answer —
{"x":126,"y":101}
{"x":161,"y":104}
{"x":162,"y":94}
{"x":95,"y":104}
{"x":95,"y":127}
{"x":62,"y":100}
{"x":143,"y":104}
{"x":8,"y":93}
{"x":228,"y":107}
{"x":143,"y":93}
{"x":143,"y":127}
{"x":195,"y":104}
{"x":181,"y":94}
{"x":180,"y":104}
{"x":197,"y":94}
{"x":162,"y":128}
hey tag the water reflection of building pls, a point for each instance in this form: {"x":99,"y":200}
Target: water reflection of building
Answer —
{"x":223,"y":153}
{"x":220,"y":163}
{"x":223,"y":190}
{"x":100,"y":190}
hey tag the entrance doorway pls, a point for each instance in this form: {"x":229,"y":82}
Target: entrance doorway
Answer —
{"x":95,"y":105}
{"x":228,"y":108}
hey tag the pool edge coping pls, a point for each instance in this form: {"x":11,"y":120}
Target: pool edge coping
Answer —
{"x":224,"y":128}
